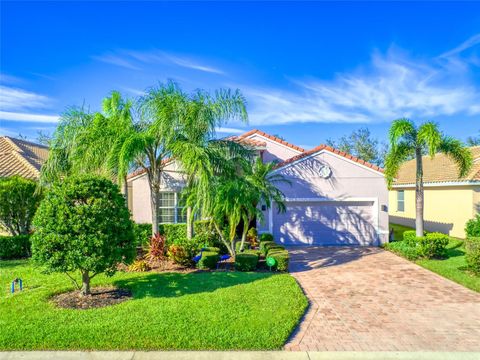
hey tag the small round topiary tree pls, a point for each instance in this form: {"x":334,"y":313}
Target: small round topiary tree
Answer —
{"x":83,"y":224}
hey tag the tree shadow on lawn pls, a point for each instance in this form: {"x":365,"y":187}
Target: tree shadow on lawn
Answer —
{"x":174,"y":284}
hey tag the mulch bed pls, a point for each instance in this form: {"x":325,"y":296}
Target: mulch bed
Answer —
{"x":101,"y":296}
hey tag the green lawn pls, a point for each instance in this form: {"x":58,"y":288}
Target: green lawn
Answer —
{"x":208,"y":311}
{"x":452,"y":268}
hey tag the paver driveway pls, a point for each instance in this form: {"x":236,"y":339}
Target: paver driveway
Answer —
{"x":368,"y":299}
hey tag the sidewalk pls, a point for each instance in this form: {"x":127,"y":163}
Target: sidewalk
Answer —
{"x":233,"y":355}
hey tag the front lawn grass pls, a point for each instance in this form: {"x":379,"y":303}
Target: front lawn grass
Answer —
{"x":196,"y":311}
{"x":453,"y":267}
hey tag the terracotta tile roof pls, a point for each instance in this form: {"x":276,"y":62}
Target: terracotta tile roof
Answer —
{"x":332,"y":150}
{"x":20,"y":157}
{"x":248,"y":142}
{"x":439,"y":169}
{"x":271,"y":137}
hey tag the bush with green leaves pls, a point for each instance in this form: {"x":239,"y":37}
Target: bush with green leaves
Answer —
{"x":282,"y":259}
{"x":266,"y":237}
{"x":208,"y":260}
{"x":271,"y":248}
{"x":253,"y":251}
{"x":472,"y":228}
{"x":432,"y":245}
{"x":246,"y":262}
{"x":264,"y":245}
{"x":19,"y":199}
{"x":410,"y":237}
{"x":142,"y":234}
{"x":402,"y":248}
{"x":14,"y":247}
{"x":83,"y":225}
{"x":472,"y":256}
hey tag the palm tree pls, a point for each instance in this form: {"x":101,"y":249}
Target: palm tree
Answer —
{"x":262,"y":181}
{"x":86,"y":143}
{"x":408,"y":141}
{"x":178,"y":126}
{"x":195,"y":146}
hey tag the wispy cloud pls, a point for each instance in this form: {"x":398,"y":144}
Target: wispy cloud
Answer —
{"x":117,"y":60}
{"x":28,"y":117}
{"x":21,"y":105}
{"x":471,"y":42}
{"x":15,"y":98}
{"x":136,"y":60}
{"x":391,"y":86}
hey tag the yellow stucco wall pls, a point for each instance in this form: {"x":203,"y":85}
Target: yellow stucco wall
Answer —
{"x":447,"y":209}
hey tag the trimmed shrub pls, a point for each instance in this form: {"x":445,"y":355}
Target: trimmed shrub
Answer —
{"x":266,"y":237}
{"x":252,"y":251}
{"x":282,"y":259}
{"x":472,"y":256}
{"x":174,"y":233}
{"x":264,"y":245}
{"x":432,"y":245}
{"x":83,"y":225}
{"x":15,"y":247}
{"x":270,"y":248}
{"x":472,"y":228}
{"x":208,"y":260}
{"x":142,"y":234}
{"x":19,"y":199}
{"x":246,"y":262}
{"x":402,"y":248}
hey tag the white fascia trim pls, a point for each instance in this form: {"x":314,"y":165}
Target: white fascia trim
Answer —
{"x":336,"y":155}
{"x":439,"y":184}
{"x":276,"y":142}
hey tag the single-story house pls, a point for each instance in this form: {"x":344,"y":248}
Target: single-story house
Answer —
{"x":21,"y":157}
{"x":449,"y":201}
{"x":332,"y":197}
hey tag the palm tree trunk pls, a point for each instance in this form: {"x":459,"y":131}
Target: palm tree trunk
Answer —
{"x":189,"y":223}
{"x":125,"y":189}
{"x":154,"y":200}
{"x":419,"y":193}
{"x":246,"y":224}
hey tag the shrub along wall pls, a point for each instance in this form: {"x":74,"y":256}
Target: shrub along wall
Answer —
{"x":15,"y":247}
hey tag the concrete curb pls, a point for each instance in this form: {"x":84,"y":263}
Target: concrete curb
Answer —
{"x":235,"y":355}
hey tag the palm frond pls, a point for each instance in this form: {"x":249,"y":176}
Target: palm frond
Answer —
{"x":460,"y":154}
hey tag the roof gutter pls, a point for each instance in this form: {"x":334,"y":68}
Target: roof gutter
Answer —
{"x":439,"y":184}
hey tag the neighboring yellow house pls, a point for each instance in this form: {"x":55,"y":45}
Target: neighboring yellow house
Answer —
{"x":449,"y":201}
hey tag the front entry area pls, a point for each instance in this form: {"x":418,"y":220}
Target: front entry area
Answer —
{"x":326,"y":223}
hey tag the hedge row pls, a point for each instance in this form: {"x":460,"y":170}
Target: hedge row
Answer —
{"x":15,"y":247}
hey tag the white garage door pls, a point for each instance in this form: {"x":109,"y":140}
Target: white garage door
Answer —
{"x":326,"y":223}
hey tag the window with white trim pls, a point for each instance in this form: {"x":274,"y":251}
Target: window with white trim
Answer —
{"x":170,"y":209}
{"x":401,"y":200}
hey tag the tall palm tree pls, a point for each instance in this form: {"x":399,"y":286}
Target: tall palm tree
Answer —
{"x":408,"y":141}
{"x":86,"y":143}
{"x":175,"y":125}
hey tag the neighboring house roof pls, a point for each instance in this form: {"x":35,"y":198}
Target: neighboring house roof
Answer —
{"x":440,"y":169}
{"x":332,"y":150}
{"x":20,"y":157}
{"x":271,"y":137}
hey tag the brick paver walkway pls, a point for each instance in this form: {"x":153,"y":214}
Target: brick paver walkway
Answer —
{"x":368,"y":299}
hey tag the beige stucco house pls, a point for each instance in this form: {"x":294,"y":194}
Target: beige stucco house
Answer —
{"x":449,"y":201}
{"x":332,"y":197}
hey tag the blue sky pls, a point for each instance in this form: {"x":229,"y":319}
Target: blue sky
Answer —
{"x":310,"y":71}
